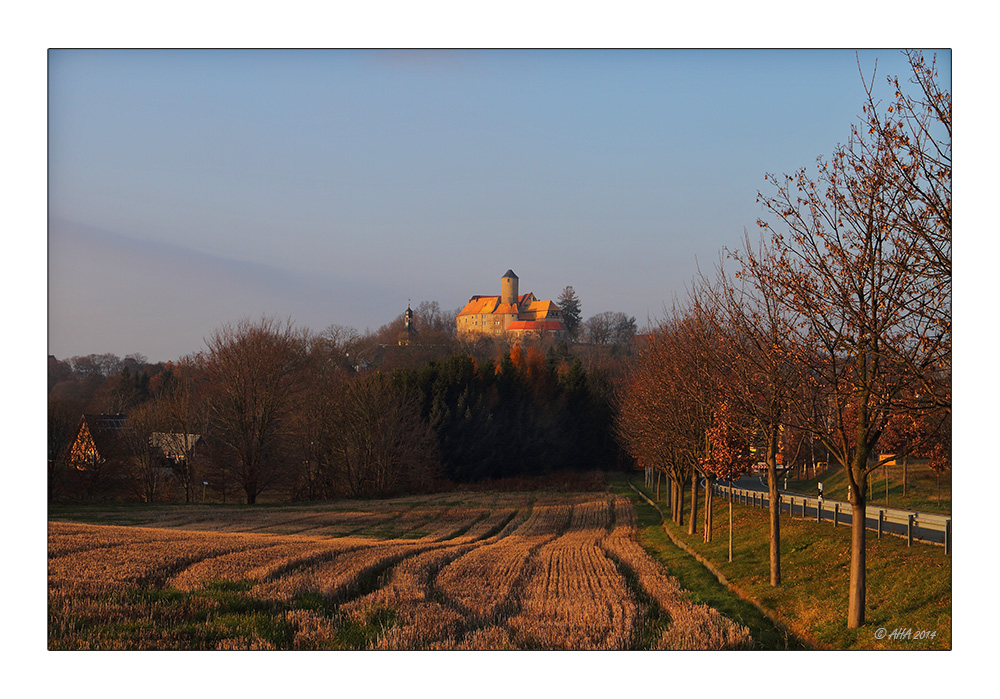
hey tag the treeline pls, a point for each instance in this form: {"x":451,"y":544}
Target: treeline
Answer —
{"x":831,"y":332}
{"x":527,"y":414}
{"x":268,"y":408}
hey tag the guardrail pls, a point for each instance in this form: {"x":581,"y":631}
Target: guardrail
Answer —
{"x":925,"y":527}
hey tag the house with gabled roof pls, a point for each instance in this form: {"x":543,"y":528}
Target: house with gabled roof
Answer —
{"x":97,"y":440}
{"x":510,"y":313}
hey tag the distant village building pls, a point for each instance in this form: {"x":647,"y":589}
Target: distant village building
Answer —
{"x":176,"y":447}
{"x":97,"y":440}
{"x":510,"y":313}
{"x":409,"y":329}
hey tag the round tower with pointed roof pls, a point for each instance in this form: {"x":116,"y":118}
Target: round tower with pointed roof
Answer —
{"x":508,"y":288}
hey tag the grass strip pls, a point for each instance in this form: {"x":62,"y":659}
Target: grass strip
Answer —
{"x":907,"y":587}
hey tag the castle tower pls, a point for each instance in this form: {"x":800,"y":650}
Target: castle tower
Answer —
{"x":508,"y":288}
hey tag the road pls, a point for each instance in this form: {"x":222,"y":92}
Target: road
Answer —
{"x":926,"y":527}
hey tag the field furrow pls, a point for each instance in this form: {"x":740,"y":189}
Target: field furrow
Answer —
{"x":420,"y":620}
{"x":502,"y":563}
{"x":691,"y":626}
{"x":341,"y":576}
{"x":262,"y":563}
{"x":485,"y":571}
{"x":150,"y":560}
{"x":576,"y":598}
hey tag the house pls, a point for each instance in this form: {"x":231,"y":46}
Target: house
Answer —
{"x":176,"y":447}
{"x":97,"y":441}
{"x":510,"y":313}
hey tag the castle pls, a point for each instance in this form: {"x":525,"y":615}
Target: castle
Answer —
{"x":510,"y":313}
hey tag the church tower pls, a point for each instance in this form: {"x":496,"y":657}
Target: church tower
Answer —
{"x":409,"y":329}
{"x":508,"y":288}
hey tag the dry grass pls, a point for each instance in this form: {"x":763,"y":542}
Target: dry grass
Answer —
{"x":122,"y":555}
{"x":344,"y":573}
{"x":504,"y":563}
{"x":461,"y":571}
{"x":692,"y":626}
{"x":261,"y":563}
{"x":421,"y":621}
{"x":576,"y":598}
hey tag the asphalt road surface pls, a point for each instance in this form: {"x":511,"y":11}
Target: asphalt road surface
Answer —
{"x":930,"y":532}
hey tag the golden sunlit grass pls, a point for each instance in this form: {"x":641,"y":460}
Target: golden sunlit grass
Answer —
{"x":906,"y":587}
{"x":464,"y":571}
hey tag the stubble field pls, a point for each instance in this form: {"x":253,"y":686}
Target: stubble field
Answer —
{"x":454,"y":571}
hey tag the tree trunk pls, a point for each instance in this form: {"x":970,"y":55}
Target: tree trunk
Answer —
{"x":680,"y":503}
{"x":774,"y":508}
{"x":774,"y":519}
{"x":856,"y":591}
{"x":709,"y":495}
{"x":658,"y":474}
{"x":730,"y":521}
{"x":250,"y":488}
{"x":693,"y":521}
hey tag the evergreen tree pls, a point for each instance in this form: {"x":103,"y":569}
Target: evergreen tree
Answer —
{"x":569,"y":302}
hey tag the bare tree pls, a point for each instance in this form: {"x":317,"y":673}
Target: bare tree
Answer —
{"x":750,"y":343}
{"x":666,"y":404}
{"x":143,"y":463}
{"x":848,"y":264}
{"x":339,"y":345}
{"x":317,"y":416}
{"x":253,"y":370}
{"x":609,"y":328}
{"x":728,"y":455}
{"x":912,"y":134}
{"x":63,"y":424}
{"x":383,"y":444}
{"x":186,"y":418}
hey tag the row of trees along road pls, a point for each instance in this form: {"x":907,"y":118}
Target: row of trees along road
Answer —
{"x":835,"y":325}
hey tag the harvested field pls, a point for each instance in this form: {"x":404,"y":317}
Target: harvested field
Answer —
{"x":457,"y":571}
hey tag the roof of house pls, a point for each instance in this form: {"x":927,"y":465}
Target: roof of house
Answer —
{"x":104,"y":421}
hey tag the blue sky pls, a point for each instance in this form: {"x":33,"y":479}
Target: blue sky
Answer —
{"x":191,"y":188}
